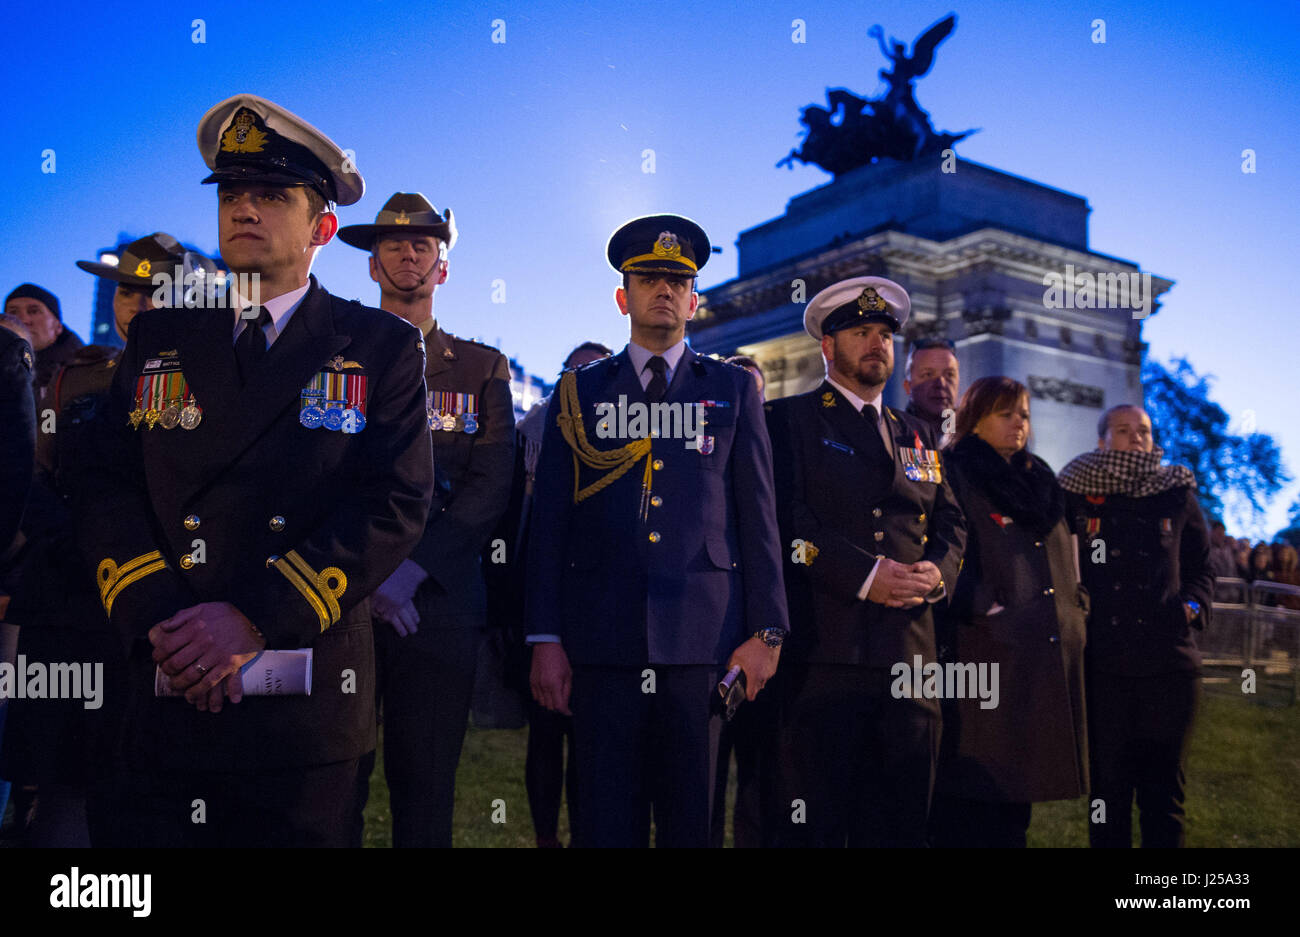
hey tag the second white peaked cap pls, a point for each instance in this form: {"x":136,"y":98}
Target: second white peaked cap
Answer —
{"x":858,"y":299}
{"x":247,"y":138}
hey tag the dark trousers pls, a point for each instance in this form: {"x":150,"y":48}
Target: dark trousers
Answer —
{"x":298,"y":807}
{"x":751,"y":734}
{"x":857,"y":765}
{"x":640,"y":750}
{"x":424,"y":684}
{"x":961,"y":823}
{"x":544,"y":775}
{"x":1138,"y":732}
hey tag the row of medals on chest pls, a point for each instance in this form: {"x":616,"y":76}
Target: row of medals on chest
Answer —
{"x":178,"y":411}
{"x":451,"y":423}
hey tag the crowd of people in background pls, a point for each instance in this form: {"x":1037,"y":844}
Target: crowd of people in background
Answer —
{"x":1237,"y":558}
{"x":831,"y":566}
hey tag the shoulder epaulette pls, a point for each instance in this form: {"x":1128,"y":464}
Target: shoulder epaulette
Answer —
{"x":591,"y":364}
{"x":476,"y":344}
{"x":93,"y":354}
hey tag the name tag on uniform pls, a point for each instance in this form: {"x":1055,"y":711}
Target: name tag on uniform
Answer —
{"x":848,"y":450}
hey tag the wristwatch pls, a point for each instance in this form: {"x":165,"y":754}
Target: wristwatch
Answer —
{"x":772,"y":637}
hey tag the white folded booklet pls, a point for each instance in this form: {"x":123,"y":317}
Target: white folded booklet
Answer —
{"x":271,"y":673}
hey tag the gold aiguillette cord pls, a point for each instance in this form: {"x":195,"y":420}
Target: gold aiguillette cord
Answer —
{"x":614,"y":462}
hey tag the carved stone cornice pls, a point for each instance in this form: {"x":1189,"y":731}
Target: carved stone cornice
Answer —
{"x":1063,"y":391}
{"x":922,"y":329}
{"x":906,"y":258}
{"x":980,"y":320}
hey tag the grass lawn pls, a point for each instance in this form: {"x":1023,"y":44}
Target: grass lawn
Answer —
{"x":1243,"y":779}
{"x":1243,"y":786}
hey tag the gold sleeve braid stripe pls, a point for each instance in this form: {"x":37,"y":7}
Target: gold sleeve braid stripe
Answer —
{"x":113,"y":578}
{"x":617,"y":461}
{"x":321,"y":590}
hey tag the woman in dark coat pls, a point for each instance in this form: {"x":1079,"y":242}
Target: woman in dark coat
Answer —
{"x":1146,"y":563}
{"x":1017,"y":606}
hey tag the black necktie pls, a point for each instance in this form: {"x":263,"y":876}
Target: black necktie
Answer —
{"x":250,"y":347}
{"x":879,"y":452}
{"x":658,"y":385}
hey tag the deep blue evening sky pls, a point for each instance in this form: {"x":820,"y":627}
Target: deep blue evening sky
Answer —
{"x":537,"y":143}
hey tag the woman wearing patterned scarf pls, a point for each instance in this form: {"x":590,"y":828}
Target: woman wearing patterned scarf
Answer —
{"x":1018,"y":607}
{"x":1146,"y":562}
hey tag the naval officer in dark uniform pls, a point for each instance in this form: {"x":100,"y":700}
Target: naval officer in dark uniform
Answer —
{"x":653,"y":565}
{"x":875,"y":538}
{"x":268,"y":465}
{"x":431,"y":611}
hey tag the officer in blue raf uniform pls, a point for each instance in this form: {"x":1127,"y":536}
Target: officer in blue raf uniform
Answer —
{"x":876,"y":538}
{"x":653,"y":566}
{"x":267,"y":467}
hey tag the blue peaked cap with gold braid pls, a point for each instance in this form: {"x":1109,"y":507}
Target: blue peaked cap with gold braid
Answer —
{"x":659,"y":244}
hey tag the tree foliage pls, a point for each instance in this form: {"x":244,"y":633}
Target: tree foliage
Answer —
{"x":1242,"y":470}
{"x":1291,"y":533}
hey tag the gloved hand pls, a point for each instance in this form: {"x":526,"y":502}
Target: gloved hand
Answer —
{"x":392,"y":603}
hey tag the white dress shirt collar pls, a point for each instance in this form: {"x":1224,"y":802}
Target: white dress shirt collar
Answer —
{"x":858,"y":402}
{"x":640,"y":356}
{"x":281,"y":309}
{"x":878,"y":405}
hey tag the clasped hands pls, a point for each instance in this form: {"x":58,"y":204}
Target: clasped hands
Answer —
{"x":202,"y":648}
{"x":903,"y":585}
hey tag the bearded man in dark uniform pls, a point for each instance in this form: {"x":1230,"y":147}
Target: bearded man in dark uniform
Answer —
{"x":876,"y":537}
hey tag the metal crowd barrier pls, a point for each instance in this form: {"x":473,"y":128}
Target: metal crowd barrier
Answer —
{"x":1255,"y":625}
